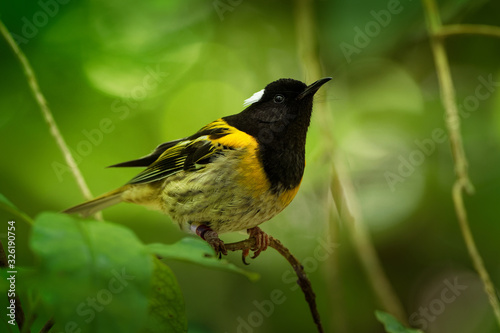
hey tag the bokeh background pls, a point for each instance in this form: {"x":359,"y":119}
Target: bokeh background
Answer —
{"x":123,"y":76}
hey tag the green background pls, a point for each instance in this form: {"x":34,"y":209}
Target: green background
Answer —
{"x":94,"y":60}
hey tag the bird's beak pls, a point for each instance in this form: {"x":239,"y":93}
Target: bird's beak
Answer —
{"x":312,"y":88}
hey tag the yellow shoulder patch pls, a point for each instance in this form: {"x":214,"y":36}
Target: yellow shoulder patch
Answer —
{"x":250,"y":169}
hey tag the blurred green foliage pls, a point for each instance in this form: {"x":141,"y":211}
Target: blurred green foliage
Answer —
{"x":196,"y":251}
{"x":122,"y":77}
{"x":392,"y":325}
{"x":101,"y":280}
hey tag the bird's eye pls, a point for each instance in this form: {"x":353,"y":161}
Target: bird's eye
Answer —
{"x":279,"y":99}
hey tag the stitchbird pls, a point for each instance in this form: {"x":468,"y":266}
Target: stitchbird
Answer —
{"x":233,"y":174}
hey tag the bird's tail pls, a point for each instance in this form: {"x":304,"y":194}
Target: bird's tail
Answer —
{"x":93,"y":206}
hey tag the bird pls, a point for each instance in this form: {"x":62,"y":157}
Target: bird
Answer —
{"x":232,"y":175}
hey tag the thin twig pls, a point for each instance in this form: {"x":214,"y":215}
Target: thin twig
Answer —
{"x":308,"y":58}
{"x":307,"y":46}
{"x":48,"y":325}
{"x":447,"y":95}
{"x":47,"y":114}
{"x":468,"y":29}
{"x":477,"y":260}
{"x":462,"y":182}
{"x":333,"y":272}
{"x":13,"y":210}
{"x":29,"y":322}
{"x":342,"y":190}
{"x":20,"y":318}
{"x":303,"y":280}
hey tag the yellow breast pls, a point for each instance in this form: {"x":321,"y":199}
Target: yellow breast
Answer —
{"x":251,"y":174}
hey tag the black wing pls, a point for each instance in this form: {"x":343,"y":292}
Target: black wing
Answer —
{"x":187,"y":154}
{"x":149,"y":159}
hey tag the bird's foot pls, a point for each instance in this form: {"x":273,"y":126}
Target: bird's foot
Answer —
{"x":212,"y":238}
{"x":261,"y":243}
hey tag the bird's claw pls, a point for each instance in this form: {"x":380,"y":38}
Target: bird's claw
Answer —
{"x":212,"y":238}
{"x":261,"y":243}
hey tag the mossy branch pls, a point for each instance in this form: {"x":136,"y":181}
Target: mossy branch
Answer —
{"x":462,"y":182}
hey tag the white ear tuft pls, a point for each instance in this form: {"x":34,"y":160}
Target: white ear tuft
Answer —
{"x":255,"y":98}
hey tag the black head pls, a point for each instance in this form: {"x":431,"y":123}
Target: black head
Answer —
{"x":278,"y":117}
{"x":284,"y":105}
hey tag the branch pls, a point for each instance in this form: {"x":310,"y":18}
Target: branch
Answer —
{"x":47,"y":114}
{"x":48,"y":325}
{"x":468,"y":29}
{"x":462,"y":182}
{"x":344,"y":193}
{"x":303,"y":280}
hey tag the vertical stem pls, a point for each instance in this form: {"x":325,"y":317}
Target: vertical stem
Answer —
{"x":344,"y":193}
{"x":462,"y":182}
{"x":333,"y":271}
{"x":47,"y":114}
{"x":307,"y":49}
{"x":307,"y":53}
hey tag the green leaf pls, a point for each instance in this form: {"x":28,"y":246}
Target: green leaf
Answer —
{"x":7,"y":205}
{"x":166,"y":304}
{"x":96,"y":276}
{"x":392,"y":325}
{"x":198,"y":252}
